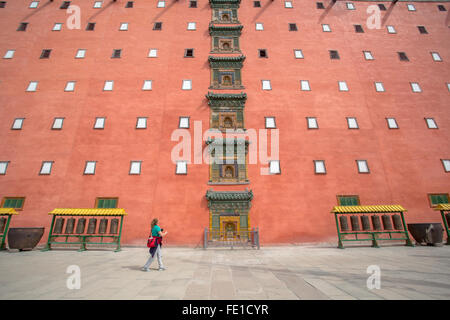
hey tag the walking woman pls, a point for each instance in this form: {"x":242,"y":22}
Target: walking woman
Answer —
{"x":157,"y":233}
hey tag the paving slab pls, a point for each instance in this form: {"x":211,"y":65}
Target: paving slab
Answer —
{"x":301,"y":288}
{"x":274,"y":272}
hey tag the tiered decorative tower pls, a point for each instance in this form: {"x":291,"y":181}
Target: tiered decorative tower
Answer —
{"x":229,"y":210}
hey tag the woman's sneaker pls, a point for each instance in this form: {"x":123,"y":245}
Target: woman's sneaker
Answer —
{"x":161,"y":269}
{"x":145,"y":269}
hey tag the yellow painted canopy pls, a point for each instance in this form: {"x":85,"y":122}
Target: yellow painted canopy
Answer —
{"x":8,"y":211}
{"x":443,"y":207}
{"x":88,"y":212}
{"x":369,"y":209}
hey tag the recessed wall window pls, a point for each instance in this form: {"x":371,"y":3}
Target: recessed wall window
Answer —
{"x":135,"y":167}
{"x":123,"y":26}
{"x":45,"y":54}
{"x":392,"y":123}
{"x":266,"y":85}
{"x":368,"y":55}
{"x":57,"y":123}
{"x":141,"y":123}
{"x":161,"y":4}
{"x":147,"y":85}
{"x":192,"y":26}
{"x":32,"y":86}
{"x":183,"y":123}
{"x":181,"y":167}
{"x":436,"y":56}
{"x":13,"y":202}
{"x":192,"y":4}
{"x":274,"y":167}
{"x":153,"y":53}
{"x":108,"y":86}
{"x":298,"y":54}
{"x":292,"y":27}
{"x":391,"y":29}
{"x":402,"y":56}
{"x":304,"y":85}
{"x":343,"y":86}
{"x":189,"y":53}
{"x":319,"y":5}
{"x":334,"y":54}
{"x":446,"y":164}
{"x":157,"y":26}
{"x":117,"y":53}
{"x":70,"y":86}
{"x":90,"y":167}
{"x":9,"y":54}
{"x":415,"y":87}
{"x":411,"y":7}
{"x":97,"y":4}
{"x":17,"y":124}
{"x":259,"y":26}
{"x":350,"y":6}
{"x":81,"y":53}
{"x":22,"y":26}
{"x":288,"y":4}
{"x":358,"y":28}
{"x":257,"y":4}
{"x":46,"y":167}
{"x":262,"y":53}
{"x":57,"y":27}
{"x":99,"y":123}
{"x":431,"y":123}
{"x":34,"y":4}
{"x":186,"y":85}
{"x":352,"y":123}
{"x":379,"y":86}
{"x":422,"y":29}
{"x":65,"y":5}
{"x":106,"y":203}
{"x":326,"y":28}
{"x":3,"y":167}
{"x":381,"y":7}
{"x":270,"y":122}
{"x":448,"y":86}
{"x":129,"y":4}
{"x":441,"y":7}
{"x":363,"y":167}
{"x":438,"y":198}
{"x":348,"y":200}
{"x":2,"y":4}
{"x":312,"y":123}
{"x":90,"y":26}
{"x":319,"y":167}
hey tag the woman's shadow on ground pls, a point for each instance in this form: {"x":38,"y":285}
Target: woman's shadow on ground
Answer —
{"x":137,"y":268}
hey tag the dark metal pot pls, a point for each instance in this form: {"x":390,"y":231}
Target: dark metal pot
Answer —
{"x":24,"y":238}
{"x":429,"y":233}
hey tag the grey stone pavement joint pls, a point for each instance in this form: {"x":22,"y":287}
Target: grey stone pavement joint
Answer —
{"x":291,"y":272}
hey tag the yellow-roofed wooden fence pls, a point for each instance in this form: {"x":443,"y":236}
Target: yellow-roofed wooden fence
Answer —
{"x":5,"y":219}
{"x":79,"y":235}
{"x":391,"y":226}
{"x":444,"y":208}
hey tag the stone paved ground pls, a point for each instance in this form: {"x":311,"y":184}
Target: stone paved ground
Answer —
{"x":285,"y":272}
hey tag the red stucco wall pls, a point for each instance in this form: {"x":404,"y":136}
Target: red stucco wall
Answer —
{"x":292,"y":207}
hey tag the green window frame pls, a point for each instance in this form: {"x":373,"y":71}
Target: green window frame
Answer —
{"x":13,"y":202}
{"x":106,"y":203}
{"x":437,"y":198}
{"x":348,"y":200}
